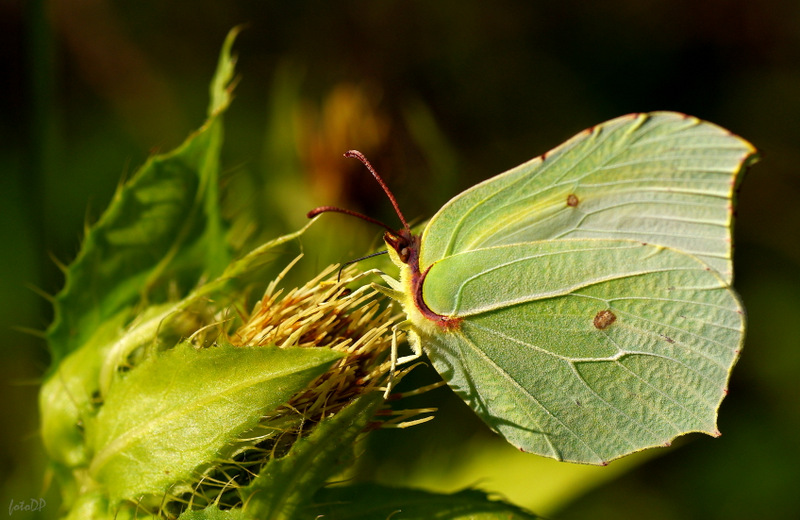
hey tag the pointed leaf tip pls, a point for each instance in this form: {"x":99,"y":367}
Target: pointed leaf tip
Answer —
{"x":222,"y":84}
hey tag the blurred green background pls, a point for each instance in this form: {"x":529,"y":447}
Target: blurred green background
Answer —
{"x":439,"y":95}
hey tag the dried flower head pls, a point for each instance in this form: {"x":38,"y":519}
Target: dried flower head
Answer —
{"x":324,"y":313}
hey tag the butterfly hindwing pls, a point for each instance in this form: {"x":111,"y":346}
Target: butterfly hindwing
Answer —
{"x":587,"y":349}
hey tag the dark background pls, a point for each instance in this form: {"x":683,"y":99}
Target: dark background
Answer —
{"x":439,"y":95}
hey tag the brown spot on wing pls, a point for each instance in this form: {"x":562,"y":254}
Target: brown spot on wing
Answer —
{"x":604,"y":319}
{"x":572,"y":200}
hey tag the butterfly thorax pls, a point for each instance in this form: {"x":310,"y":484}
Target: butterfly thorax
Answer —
{"x":404,"y":248}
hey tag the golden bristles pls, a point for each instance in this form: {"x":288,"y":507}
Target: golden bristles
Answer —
{"x":324,"y":313}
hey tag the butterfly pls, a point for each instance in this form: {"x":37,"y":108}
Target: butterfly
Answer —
{"x":581,"y":303}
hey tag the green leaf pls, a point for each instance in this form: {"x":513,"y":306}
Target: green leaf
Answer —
{"x":94,"y":504}
{"x":68,"y":396}
{"x":373,"y":502}
{"x":221,"y":86}
{"x":214,"y":513}
{"x":285,"y":485}
{"x":180,"y":410}
{"x":162,"y":230}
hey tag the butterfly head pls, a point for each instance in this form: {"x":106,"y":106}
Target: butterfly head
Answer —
{"x":405,"y":245}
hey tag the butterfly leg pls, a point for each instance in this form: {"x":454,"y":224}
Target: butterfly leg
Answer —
{"x":416,"y":346}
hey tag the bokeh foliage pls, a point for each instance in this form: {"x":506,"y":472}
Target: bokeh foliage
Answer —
{"x":439,"y":95}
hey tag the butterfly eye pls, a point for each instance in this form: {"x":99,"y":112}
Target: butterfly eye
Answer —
{"x":404,"y":254}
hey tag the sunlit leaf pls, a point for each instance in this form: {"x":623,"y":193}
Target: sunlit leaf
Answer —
{"x":181,"y":409}
{"x":214,"y":513}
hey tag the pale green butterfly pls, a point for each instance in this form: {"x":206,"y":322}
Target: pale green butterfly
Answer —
{"x":580,"y":303}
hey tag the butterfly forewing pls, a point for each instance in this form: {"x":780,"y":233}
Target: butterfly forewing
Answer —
{"x":660,"y":178}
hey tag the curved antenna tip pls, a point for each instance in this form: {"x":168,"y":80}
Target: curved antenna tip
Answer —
{"x":316,"y":212}
{"x":360,"y":156}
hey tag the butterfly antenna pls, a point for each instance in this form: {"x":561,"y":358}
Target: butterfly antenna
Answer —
{"x":351,"y":262}
{"x":325,"y":209}
{"x":360,"y":156}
